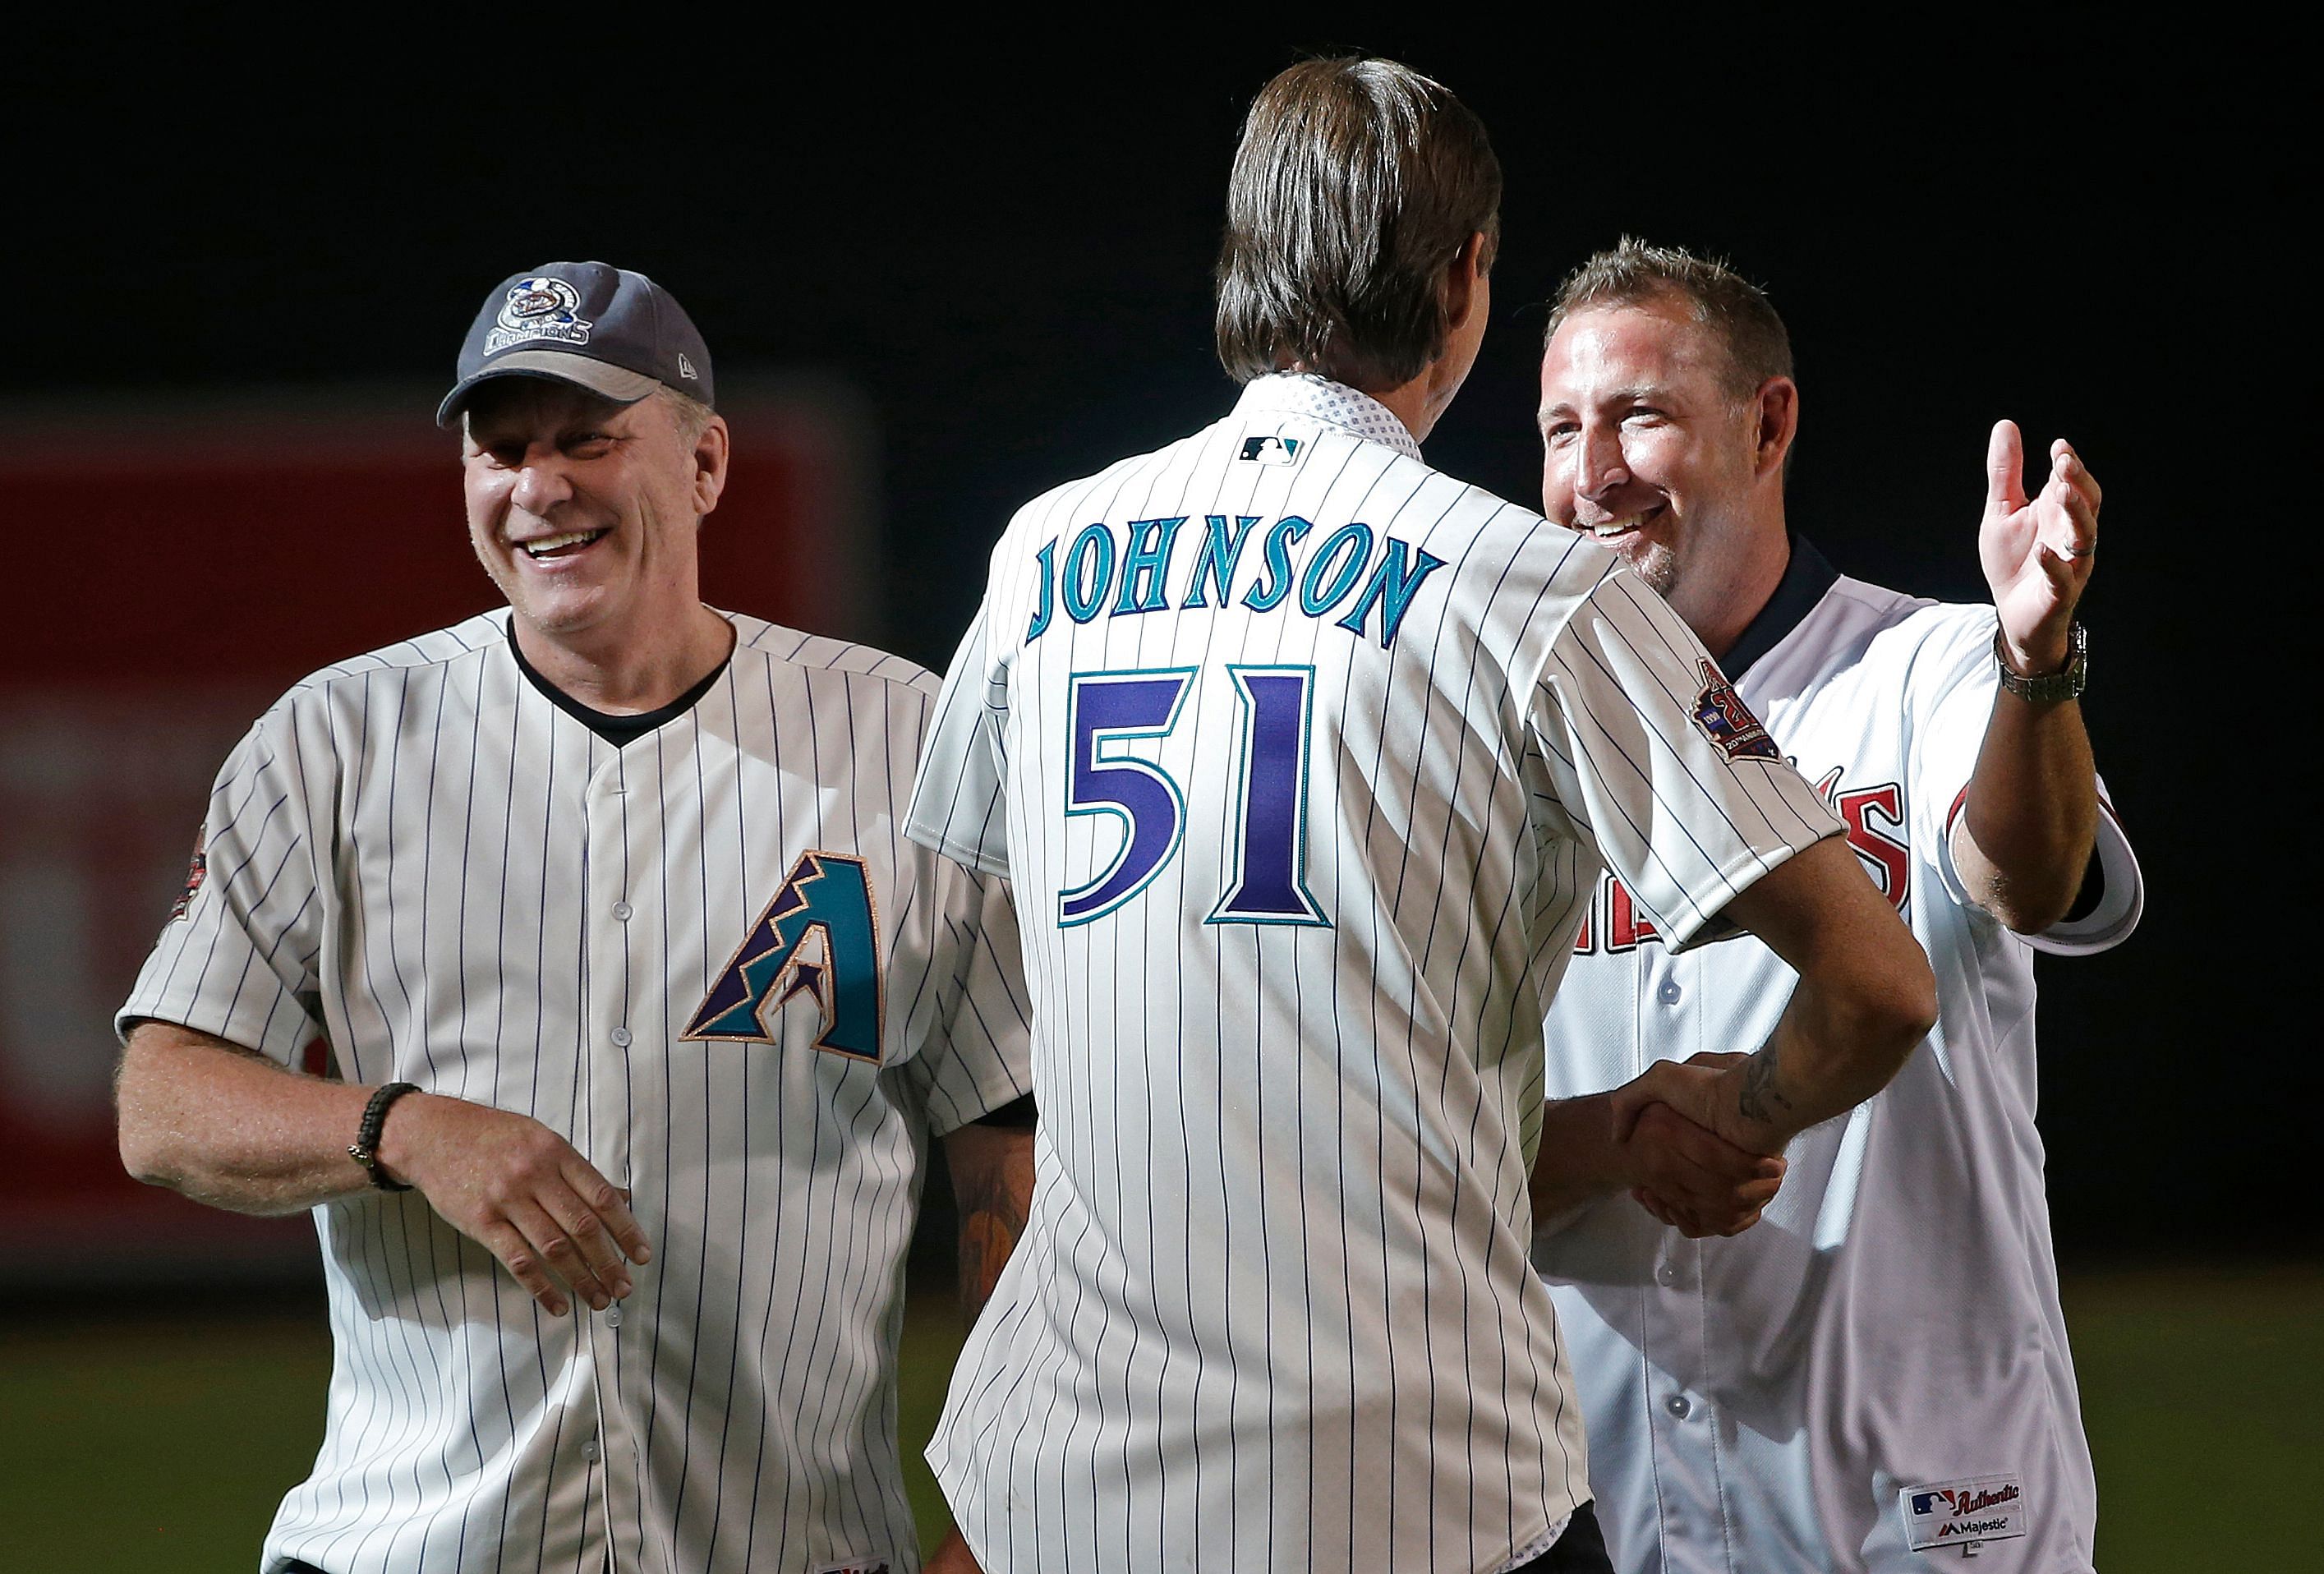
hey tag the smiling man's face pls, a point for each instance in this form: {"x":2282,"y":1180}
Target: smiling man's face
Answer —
{"x":1646,"y":448}
{"x":584,"y":512}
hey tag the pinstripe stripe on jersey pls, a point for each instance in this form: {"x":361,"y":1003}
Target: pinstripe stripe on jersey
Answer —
{"x":420,"y":857}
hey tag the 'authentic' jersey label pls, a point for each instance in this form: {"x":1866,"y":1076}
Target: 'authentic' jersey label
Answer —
{"x":1954,"y":1513}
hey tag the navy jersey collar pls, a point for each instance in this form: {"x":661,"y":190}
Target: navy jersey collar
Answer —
{"x":1805,"y":579}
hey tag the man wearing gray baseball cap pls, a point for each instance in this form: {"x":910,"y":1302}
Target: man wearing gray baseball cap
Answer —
{"x":615,"y":332}
{"x":641,"y":1008}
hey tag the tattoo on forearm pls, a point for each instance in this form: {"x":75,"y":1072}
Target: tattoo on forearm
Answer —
{"x":1758,"y":1096}
{"x":991,"y":1219}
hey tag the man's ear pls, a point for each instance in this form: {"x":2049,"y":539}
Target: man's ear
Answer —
{"x":1776,"y":412}
{"x":1470,"y":264}
{"x":710,"y":454}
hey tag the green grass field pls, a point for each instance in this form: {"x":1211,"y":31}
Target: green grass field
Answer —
{"x":163,"y":1445}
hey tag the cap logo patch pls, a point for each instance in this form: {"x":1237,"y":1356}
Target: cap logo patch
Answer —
{"x":685,"y":369}
{"x":1728,"y":722}
{"x":537,"y":308}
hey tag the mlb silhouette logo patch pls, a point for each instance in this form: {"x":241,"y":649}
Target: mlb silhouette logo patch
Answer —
{"x":1961,"y":1513}
{"x":1271,"y":449}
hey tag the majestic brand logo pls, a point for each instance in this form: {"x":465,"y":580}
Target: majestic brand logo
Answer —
{"x":1728,"y":722}
{"x":537,"y":308}
{"x":819,"y":938}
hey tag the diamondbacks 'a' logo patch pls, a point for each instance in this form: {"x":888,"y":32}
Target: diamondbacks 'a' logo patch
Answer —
{"x":537,"y":308}
{"x":1728,"y":722}
{"x":1270,"y":449}
{"x":820,"y":937}
{"x":197,"y":872}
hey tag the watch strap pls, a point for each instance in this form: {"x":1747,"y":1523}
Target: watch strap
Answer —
{"x":2065,"y":684}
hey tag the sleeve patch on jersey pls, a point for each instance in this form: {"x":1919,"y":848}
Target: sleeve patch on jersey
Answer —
{"x":1728,"y":722}
{"x":829,"y":895}
{"x":195,"y":873}
{"x":1270,"y":449}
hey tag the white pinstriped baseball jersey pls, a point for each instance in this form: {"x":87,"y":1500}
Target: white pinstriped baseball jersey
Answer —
{"x":1302,"y":759}
{"x":1805,"y":1395}
{"x":711,"y":960}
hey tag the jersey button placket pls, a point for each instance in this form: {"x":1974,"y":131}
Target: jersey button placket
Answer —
{"x":624,"y":820}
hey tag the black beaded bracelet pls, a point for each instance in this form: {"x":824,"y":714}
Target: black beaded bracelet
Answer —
{"x":365,"y":1150}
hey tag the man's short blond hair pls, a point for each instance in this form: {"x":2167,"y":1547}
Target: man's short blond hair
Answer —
{"x":689,"y":415}
{"x":1718,"y":298}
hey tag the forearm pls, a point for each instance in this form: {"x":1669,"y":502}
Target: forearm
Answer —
{"x":1829,"y":1053}
{"x":993,"y":1188}
{"x":1865,"y":997}
{"x":1579,"y":1160}
{"x":2031,"y":815}
{"x":229,"y":1128}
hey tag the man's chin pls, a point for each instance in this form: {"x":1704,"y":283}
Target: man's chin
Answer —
{"x":1652,"y":562}
{"x":562,"y":617}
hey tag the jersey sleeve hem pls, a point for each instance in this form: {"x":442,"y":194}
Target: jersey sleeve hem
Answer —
{"x":2120,"y":907}
{"x":278,"y":1036}
{"x":968,"y":854}
{"x":1746,"y":870}
{"x":995,"y":1087}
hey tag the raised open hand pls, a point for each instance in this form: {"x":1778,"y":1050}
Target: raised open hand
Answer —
{"x":2037,"y":552}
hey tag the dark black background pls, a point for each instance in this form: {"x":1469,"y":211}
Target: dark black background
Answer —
{"x":1003,"y":240}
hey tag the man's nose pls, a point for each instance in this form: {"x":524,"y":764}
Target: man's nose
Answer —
{"x":542,"y":484}
{"x":1599,"y":464}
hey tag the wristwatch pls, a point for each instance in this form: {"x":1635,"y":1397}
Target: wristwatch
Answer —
{"x":2065,"y":684}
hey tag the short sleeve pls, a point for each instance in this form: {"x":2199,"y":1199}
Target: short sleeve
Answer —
{"x":237,"y":956}
{"x":977,"y":1054}
{"x":956,"y":800}
{"x":1657,"y":761}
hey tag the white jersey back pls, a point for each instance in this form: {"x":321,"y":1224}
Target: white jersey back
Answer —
{"x":459,"y":885}
{"x":1804,"y":1395}
{"x":1303,"y":758}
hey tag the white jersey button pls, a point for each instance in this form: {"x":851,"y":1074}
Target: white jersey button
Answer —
{"x":589,"y":1450}
{"x":622,"y":910}
{"x":1678,"y":1407}
{"x":1668,"y":994}
{"x":620,"y":1038}
{"x":613,"y":1315}
{"x":1666,"y":1274}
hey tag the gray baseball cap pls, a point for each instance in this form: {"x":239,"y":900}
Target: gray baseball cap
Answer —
{"x":613,"y":332}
